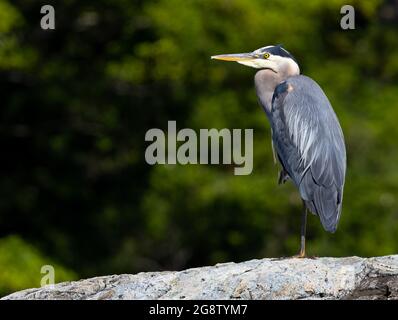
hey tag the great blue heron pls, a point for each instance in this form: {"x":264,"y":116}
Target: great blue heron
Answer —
{"x":306,"y":136}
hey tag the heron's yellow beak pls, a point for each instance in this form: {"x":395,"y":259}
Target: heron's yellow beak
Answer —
{"x":234,"y":57}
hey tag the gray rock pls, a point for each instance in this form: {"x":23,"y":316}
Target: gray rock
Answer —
{"x":320,"y":278}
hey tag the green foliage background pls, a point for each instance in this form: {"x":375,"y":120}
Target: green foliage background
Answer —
{"x":76,"y":104}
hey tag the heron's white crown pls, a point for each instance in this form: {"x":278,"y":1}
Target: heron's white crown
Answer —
{"x":273,"y":62}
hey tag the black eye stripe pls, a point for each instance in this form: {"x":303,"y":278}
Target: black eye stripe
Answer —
{"x":277,"y":51}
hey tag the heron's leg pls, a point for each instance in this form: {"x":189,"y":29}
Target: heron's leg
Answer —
{"x":303,"y":231}
{"x":283,"y":176}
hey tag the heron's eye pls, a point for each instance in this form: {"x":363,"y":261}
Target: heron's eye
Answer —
{"x":266,"y":55}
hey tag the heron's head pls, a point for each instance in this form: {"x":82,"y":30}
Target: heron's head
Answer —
{"x":274,"y":58}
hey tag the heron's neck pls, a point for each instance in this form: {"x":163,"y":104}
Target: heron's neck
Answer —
{"x":266,"y":81}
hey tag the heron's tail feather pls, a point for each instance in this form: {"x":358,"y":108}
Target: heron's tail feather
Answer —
{"x":327,"y":206}
{"x":326,"y":202}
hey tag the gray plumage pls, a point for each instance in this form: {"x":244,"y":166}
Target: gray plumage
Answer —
{"x":310,"y":146}
{"x":306,"y":136}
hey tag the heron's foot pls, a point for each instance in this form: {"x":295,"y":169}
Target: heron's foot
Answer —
{"x":299,"y":256}
{"x":303,"y":255}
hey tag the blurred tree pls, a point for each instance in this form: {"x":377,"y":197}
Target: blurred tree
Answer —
{"x":22,"y":266}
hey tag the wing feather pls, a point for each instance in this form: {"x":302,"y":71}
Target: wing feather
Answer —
{"x":310,"y":144}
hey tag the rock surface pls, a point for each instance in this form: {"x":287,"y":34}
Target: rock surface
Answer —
{"x":320,"y":278}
